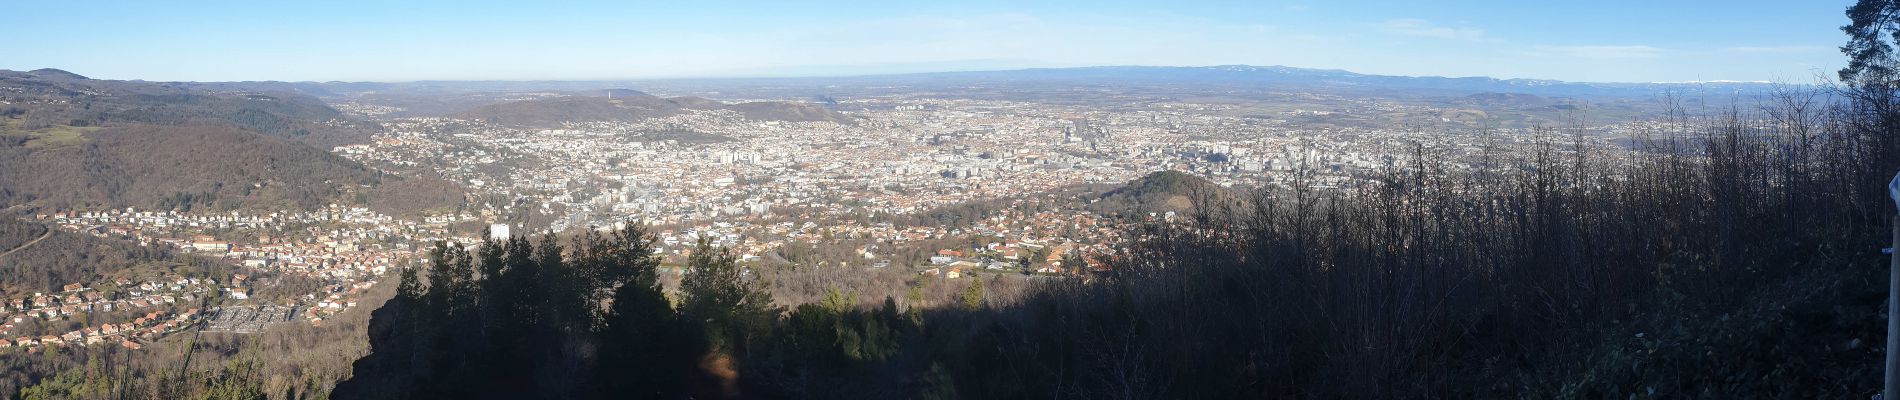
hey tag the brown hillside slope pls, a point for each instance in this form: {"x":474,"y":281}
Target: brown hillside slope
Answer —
{"x":196,"y":167}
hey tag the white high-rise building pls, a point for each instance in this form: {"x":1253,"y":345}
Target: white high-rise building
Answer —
{"x":498,"y":232}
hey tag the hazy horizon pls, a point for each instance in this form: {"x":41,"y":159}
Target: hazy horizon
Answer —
{"x":364,"y":41}
{"x":837,"y":71}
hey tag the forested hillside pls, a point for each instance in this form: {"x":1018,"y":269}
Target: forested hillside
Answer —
{"x":201,"y":167}
{"x":67,"y":141}
{"x":49,"y":98}
{"x":38,"y":258}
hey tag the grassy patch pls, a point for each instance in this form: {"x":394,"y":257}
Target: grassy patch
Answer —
{"x":56,"y":136}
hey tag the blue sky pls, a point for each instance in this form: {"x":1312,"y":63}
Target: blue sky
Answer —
{"x":1622,"y":41}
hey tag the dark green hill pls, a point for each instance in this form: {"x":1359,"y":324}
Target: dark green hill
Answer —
{"x":1161,"y":192}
